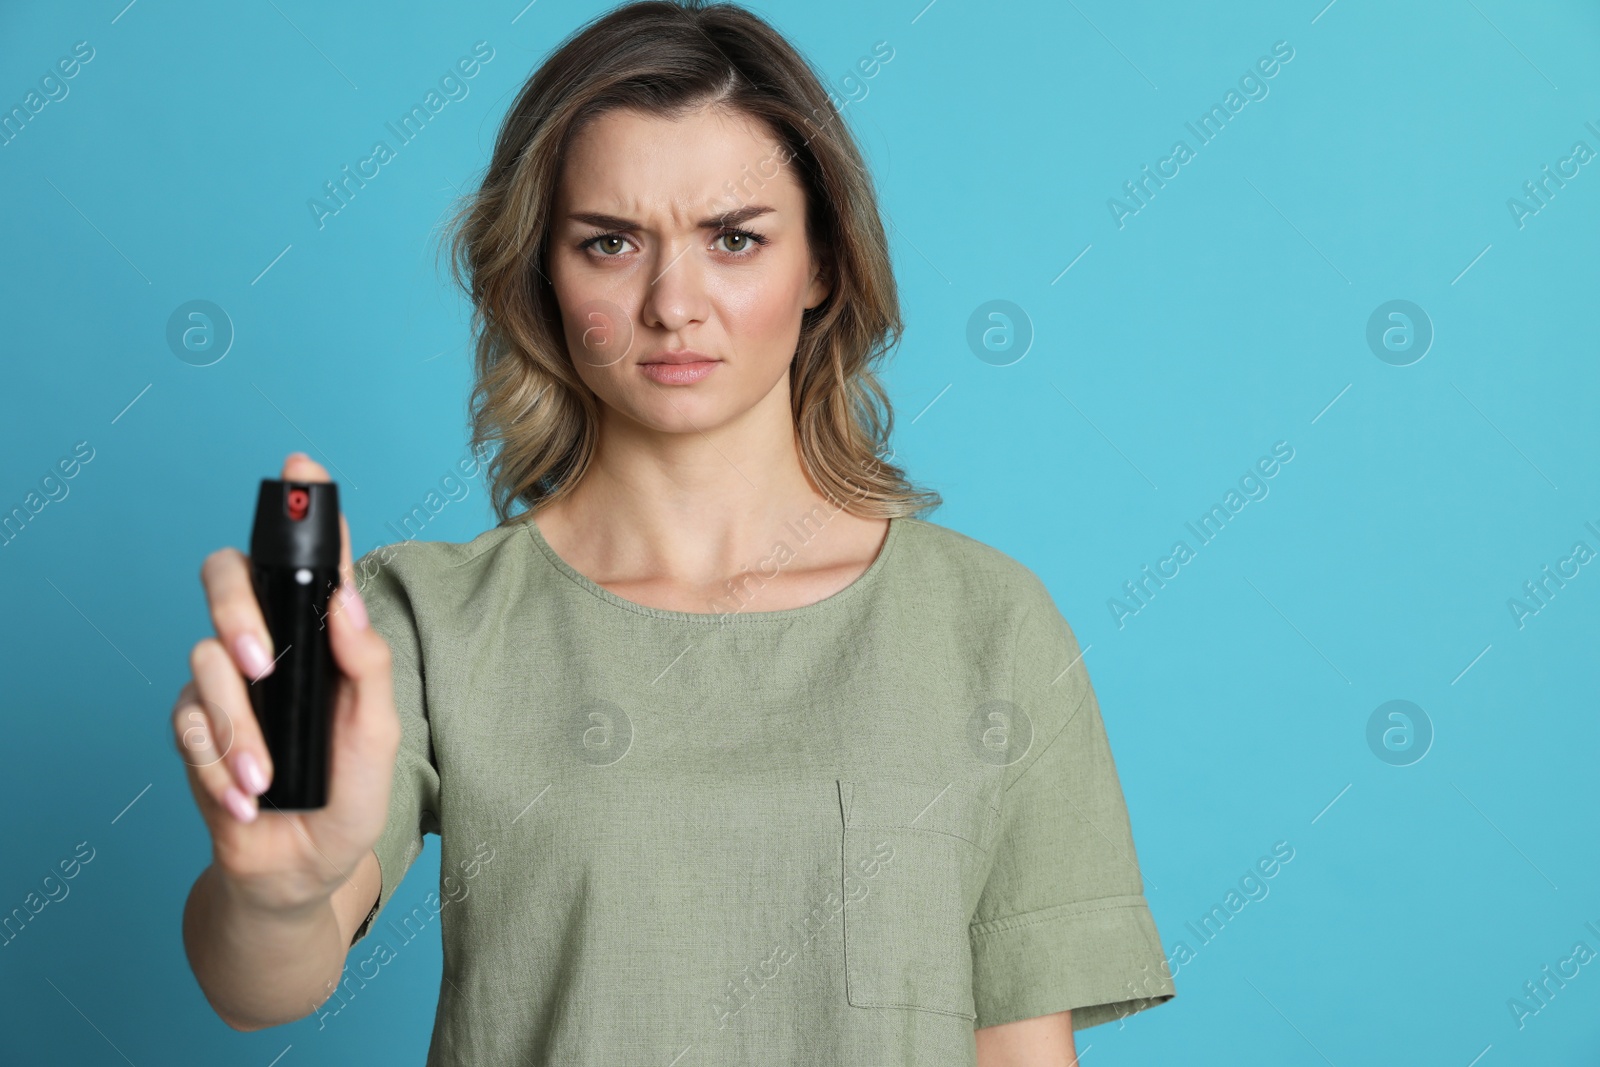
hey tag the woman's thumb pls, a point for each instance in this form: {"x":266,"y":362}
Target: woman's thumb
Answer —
{"x":362,"y":653}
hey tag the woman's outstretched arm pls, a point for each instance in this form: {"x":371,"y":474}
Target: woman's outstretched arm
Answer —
{"x":262,"y":965}
{"x":268,"y":923}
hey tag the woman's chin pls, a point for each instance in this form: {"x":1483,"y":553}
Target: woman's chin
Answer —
{"x":680,"y":411}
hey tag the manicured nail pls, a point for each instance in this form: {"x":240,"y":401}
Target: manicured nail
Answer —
{"x":248,"y":770}
{"x":354,"y":604}
{"x":253,"y":655}
{"x":243,"y":808}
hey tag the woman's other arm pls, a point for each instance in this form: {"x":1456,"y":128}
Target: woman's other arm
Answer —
{"x":1042,"y":1042}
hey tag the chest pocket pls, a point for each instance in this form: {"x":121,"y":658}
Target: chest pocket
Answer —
{"x":914,"y":858}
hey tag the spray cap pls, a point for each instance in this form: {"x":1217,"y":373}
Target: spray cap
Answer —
{"x":297,"y":524}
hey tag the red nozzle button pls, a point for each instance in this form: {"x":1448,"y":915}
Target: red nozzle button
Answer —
{"x":299,"y":502}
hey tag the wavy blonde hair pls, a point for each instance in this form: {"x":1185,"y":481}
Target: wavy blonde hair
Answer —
{"x":667,"y":57}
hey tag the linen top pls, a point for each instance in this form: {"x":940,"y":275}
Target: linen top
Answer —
{"x":844,"y":833}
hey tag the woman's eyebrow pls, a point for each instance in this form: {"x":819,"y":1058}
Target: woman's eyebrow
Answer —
{"x":736,"y":217}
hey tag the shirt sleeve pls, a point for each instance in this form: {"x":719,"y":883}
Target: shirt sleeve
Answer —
{"x":414,"y":793}
{"x":1062,"y":922}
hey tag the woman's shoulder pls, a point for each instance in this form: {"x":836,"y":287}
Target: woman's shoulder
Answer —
{"x":412,"y":587}
{"x":411,"y":567}
{"x":977,"y":572}
{"x":997,"y":596}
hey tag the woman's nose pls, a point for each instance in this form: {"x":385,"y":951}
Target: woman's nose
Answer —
{"x":676,"y":294}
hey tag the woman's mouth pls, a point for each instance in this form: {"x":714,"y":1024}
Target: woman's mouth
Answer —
{"x":678,"y":373}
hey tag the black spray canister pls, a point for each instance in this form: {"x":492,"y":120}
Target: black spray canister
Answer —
{"x":294,"y":563}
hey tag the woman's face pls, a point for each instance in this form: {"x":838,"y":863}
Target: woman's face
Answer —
{"x":669,"y":239}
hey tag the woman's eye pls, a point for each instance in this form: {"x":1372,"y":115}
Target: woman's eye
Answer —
{"x":743,"y":242}
{"x":608,"y":244}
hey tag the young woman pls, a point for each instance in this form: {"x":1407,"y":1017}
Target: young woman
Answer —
{"x":733,"y":759}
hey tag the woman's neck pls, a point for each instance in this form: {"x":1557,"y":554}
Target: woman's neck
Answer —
{"x":677,"y":526}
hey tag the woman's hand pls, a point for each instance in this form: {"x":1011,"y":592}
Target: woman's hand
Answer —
{"x":285,"y":860}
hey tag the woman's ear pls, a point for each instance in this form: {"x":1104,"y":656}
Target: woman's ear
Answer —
{"x":821,"y":284}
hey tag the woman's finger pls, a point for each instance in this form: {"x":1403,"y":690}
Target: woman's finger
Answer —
{"x":237,"y":749}
{"x":368,"y":727}
{"x":203,"y":734}
{"x":235,"y":612}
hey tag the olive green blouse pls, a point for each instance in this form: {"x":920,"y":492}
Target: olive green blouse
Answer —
{"x":844,"y":833}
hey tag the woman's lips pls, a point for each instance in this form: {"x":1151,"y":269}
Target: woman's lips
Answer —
{"x":678,"y":373}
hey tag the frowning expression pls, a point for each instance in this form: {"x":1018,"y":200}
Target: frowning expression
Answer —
{"x":681,"y":273}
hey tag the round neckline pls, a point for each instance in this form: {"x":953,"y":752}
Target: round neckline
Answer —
{"x":862,"y":580}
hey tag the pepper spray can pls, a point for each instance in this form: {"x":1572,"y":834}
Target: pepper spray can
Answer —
{"x":294,"y":564}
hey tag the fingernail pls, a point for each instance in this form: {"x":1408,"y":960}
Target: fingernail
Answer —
{"x":243,"y":808}
{"x":354,"y":604}
{"x":248,"y":769}
{"x":252,"y":654}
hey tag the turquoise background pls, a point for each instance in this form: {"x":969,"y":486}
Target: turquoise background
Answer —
{"x":1228,"y":314}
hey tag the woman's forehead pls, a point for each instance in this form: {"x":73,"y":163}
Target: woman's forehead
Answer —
{"x":628,"y":164}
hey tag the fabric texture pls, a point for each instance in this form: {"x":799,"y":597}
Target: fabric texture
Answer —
{"x":845,"y":833}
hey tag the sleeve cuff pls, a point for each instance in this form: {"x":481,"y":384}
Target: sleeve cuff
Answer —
{"x":1100,"y":958}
